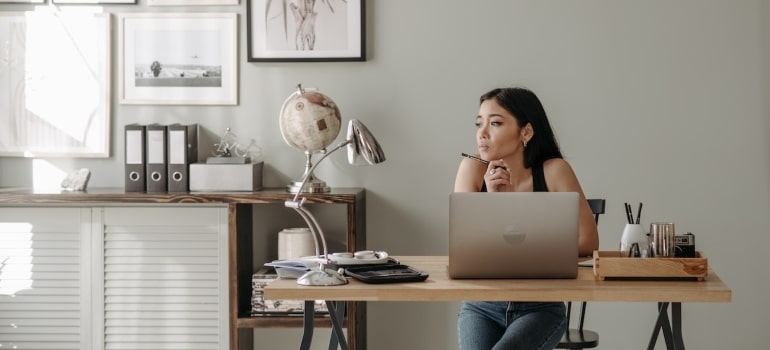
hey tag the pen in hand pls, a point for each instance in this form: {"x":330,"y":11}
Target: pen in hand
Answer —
{"x":485,"y":162}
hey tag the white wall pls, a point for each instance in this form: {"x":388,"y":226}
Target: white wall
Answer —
{"x":655,"y":101}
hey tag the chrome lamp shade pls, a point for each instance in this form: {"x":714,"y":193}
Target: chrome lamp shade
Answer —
{"x":363,"y":148}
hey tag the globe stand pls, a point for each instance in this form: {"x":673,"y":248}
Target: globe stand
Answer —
{"x":312,"y":184}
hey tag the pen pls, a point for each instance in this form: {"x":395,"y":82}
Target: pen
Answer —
{"x":639,"y":213}
{"x":485,"y":162}
{"x":475,"y":158}
{"x":629,"y":215}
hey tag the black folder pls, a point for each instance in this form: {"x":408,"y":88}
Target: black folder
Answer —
{"x":182,"y":150}
{"x":135,"y":158}
{"x":157,"y":159}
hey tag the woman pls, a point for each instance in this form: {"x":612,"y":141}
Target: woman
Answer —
{"x":513,"y":134}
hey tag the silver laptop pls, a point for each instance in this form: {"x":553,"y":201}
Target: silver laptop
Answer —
{"x":513,"y":234}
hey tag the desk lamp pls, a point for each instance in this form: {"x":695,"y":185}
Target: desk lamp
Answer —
{"x":363,"y":148}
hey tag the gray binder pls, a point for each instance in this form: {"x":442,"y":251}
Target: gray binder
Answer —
{"x":135,"y":158}
{"x":182,"y":150}
{"x":156,"y":143}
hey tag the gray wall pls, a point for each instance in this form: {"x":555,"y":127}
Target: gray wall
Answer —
{"x":659,"y":102}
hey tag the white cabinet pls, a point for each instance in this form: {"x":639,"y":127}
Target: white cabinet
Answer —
{"x":108,"y":269}
{"x":143,"y":277}
{"x":44,"y":279}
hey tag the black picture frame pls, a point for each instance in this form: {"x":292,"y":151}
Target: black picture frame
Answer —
{"x":337,"y":33}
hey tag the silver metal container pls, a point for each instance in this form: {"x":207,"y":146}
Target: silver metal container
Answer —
{"x":662,"y":239}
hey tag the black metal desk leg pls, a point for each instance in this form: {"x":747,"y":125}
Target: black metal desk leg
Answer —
{"x":676,"y":319}
{"x":664,"y":324}
{"x":336,"y":312}
{"x":307,"y":332}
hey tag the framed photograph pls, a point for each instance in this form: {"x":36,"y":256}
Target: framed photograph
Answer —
{"x":178,"y":58}
{"x":55,"y":84}
{"x":301,"y":30}
{"x":191,"y":2}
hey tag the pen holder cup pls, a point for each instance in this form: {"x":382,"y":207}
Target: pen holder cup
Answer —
{"x":662,"y":235}
{"x":633,"y":241}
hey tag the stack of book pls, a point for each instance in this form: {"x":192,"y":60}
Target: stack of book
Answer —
{"x":262,"y":307}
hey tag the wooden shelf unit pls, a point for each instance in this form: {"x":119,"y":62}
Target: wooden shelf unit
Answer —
{"x":240,"y":238}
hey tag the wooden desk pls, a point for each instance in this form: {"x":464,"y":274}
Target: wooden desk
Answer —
{"x":439,"y":287}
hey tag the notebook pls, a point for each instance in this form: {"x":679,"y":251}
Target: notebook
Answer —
{"x":513,"y":234}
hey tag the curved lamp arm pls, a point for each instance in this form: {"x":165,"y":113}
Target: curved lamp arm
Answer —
{"x":361,"y":143}
{"x":322,"y":276}
{"x":310,"y":172}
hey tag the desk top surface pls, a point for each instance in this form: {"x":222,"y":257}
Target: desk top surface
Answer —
{"x":439,"y":287}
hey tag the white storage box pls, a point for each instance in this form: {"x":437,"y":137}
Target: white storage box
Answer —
{"x":226,"y":177}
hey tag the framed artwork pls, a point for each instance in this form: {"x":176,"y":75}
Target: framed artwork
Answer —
{"x":22,"y":1}
{"x":302,"y":30}
{"x":191,"y":2}
{"x":124,"y":2}
{"x":55,"y":84}
{"x":178,"y":58}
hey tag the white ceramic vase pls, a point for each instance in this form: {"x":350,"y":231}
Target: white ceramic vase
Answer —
{"x":633,"y":233}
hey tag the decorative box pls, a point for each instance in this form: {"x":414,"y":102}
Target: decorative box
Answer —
{"x":226,"y":177}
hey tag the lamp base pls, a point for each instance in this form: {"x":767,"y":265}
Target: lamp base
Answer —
{"x":314,"y":186}
{"x":322,"y":277}
{"x":310,"y":183}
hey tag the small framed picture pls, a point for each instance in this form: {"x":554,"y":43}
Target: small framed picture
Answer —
{"x":330,"y":30}
{"x":191,"y":2}
{"x":178,"y":58}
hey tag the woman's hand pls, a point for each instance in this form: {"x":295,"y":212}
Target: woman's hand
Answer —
{"x":497,"y":177}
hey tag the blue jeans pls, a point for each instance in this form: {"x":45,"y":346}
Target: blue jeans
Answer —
{"x":510,"y":325}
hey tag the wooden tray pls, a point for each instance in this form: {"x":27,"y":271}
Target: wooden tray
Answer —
{"x":609,"y":264}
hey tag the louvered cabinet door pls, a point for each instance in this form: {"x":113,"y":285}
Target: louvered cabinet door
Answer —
{"x":165,"y":278}
{"x":45,"y":278}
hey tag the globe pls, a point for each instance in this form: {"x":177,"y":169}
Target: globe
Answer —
{"x":310,"y":120}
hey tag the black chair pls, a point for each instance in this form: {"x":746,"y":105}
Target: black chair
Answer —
{"x":579,"y":338}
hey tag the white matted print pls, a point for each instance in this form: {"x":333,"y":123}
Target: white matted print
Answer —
{"x":54,"y":84}
{"x":178,"y":58}
{"x":93,"y":1}
{"x":301,"y":30}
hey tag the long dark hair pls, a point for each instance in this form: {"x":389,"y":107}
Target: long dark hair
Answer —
{"x":524,"y":105}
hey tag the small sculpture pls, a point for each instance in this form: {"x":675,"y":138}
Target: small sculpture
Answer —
{"x":76,"y":181}
{"x":230,"y":151}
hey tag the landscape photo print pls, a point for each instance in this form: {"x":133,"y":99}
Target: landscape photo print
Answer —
{"x":178,"y":59}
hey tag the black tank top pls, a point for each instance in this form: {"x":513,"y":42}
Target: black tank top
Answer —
{"x":538,"y":180}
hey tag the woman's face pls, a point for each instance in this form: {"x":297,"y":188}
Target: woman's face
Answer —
{"x":498,"y":135}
